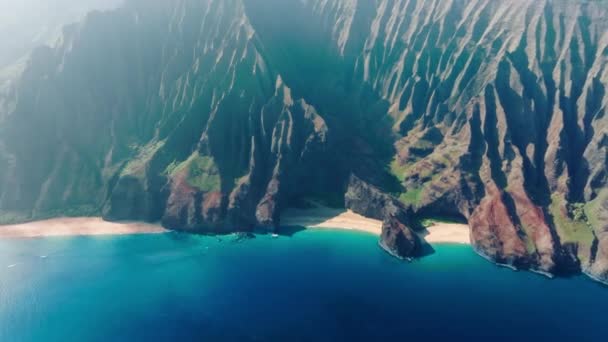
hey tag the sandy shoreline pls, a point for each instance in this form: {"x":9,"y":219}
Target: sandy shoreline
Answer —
{"x":313,"y":218}
{"x":327,"y":218}
{"x":77,"y":226}
{"x":441,"y":232}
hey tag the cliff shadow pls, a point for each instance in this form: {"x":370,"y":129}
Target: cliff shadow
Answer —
{"x":290,"y":231}
{"x":426,"y":249}
{"x":360,"y":138}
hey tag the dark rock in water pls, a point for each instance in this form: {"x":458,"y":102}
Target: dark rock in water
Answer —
{"x":398,"y":239}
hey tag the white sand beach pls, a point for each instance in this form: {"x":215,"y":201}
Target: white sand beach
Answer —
{"x":327,"y":218}
{"x":441,"y":232}
{"x":323,"y":217}
{"x":312,"y":218}
{"x":76,"y":226}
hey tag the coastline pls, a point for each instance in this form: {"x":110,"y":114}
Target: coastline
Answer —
{"x":513,"y":268}
{"x":312,"y":218}
{"x":328,"y":218}
{"x":603,"y":282}
{"x":440,"y":232}
{"x":76,"y":226}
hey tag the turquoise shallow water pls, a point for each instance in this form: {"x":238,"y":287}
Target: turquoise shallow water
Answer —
{"x":317,"y":285}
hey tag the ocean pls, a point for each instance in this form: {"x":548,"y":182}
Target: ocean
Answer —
{"x":316,"y":285}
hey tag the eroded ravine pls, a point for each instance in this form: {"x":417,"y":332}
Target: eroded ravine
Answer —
{"x":214,"y":116}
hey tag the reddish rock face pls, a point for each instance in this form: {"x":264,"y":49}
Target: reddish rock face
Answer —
{"x":212,"y":207}
{"x":180,"y":211}
{"x":494,"y":235}
{"x":541,"y":235}
{"x":266,"y":213}
{"x":528,"y":243}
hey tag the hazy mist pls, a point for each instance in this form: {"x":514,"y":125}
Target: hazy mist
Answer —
{"x":25,"y":24}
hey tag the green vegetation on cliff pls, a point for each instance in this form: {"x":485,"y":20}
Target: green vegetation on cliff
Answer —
{"x":571,"y":224}
{"x":412,"y":196}
{"x":592,"y":210}
{"x":398,"y":170}
{"x":137,"y":166}
{"x":201,"y":172}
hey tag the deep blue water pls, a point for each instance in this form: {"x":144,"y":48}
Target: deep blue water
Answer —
{"x":314,"y":286}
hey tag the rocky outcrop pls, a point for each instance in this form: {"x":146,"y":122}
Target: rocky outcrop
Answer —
{"x":212,"y":116}
{"x":499,"y":116}
{"x":397,"y":237}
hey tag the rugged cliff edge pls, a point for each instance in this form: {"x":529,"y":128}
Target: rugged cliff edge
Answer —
{"x":397,"y":236}
{"x":213,"y":116}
